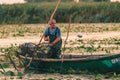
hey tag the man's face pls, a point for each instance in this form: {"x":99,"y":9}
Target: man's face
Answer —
{"x":52,"y":25}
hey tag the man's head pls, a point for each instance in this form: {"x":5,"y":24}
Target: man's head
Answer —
{"x":52,"y":23}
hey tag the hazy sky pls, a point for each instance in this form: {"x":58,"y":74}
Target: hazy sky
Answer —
{"x":11,"y":1}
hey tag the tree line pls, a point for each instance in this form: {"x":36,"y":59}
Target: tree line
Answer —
{"x":78,"y":12}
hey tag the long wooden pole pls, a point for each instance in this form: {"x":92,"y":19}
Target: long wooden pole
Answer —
{"x":2,"y":67}
{"x":52,"y":15}
{"x":12,"y":62}
{"x":66,"y":38}
{"x":48,"y":23}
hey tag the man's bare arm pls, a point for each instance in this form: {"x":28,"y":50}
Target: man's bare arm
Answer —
{"x":56,"y":40}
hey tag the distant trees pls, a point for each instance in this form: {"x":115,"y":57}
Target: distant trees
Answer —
{"x":40,"y":12}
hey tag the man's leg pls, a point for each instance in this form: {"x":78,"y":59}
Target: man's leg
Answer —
{"x":49,"y":53}
{"x":58,"y":50}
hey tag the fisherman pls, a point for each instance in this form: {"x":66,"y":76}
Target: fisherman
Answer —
{"x":53,"y":35}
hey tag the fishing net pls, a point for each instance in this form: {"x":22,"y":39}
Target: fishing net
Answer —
{"x":33,"y":50}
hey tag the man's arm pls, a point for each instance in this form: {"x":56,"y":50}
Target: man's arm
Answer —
{"x":56,"y":40}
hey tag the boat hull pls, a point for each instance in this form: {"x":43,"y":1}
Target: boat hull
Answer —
{"x":102,"y":64}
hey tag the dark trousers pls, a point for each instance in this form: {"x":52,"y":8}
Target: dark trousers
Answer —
{"x":54,"y":52}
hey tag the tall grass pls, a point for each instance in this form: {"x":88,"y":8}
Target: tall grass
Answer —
{"x":40,"y":12}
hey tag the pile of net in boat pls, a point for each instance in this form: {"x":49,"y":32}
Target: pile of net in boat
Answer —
{"x":33,"y":50}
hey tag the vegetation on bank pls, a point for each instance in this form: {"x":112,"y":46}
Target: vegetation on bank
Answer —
{"x":22,"y":30}
{"x":82,"y":12}
{"x":108,"y":45}
{"x":6,"y":62}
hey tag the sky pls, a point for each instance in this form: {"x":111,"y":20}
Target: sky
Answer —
{"x":11,"y":1}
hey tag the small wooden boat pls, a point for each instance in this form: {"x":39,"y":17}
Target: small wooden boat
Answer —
{"x":95,"y":63}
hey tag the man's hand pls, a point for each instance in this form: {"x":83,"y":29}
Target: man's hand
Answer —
{"x":46,"y":38}
{"x":51,"y":44}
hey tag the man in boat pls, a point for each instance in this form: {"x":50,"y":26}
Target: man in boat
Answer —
{"x":53,"y":35}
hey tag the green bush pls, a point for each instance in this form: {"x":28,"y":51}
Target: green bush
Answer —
{"x":40,"y":12}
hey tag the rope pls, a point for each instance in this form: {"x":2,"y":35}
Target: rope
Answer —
{"x":66,"y":39}
{"x":51,"y":17}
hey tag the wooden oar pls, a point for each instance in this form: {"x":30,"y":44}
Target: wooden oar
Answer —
{"x":12,"y":62}
{"x":51,"y":18}
{"x":2,"y":68}
{"x":43,"y":32}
